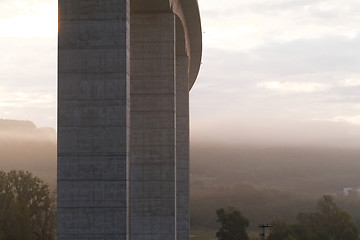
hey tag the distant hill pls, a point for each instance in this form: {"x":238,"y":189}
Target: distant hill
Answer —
{"x":6,"y":124}
{"x":23,"y":146}
{"x":16,"y":130}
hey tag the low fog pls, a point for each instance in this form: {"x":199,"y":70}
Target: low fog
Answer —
{"x":259,"y":154}
{"x":273,"y":170}
{"x":23,"y":146}
{"x":276,"y":132}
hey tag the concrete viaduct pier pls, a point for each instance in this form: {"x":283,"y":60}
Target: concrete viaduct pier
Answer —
{"x":125,"y":69}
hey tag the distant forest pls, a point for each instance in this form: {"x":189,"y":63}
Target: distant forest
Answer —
{"x":263,"y":183}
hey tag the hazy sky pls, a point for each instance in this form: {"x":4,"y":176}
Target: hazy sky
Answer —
{"x":280,"y":71}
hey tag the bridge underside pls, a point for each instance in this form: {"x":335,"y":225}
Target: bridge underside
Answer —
{"x":123,"y":118}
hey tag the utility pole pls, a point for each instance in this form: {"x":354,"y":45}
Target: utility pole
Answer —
{"x":263,"y":230}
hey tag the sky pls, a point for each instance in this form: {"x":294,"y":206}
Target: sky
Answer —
{"x":283,"y":72}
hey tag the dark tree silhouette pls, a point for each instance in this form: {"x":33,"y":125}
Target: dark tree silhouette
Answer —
{"x":233,"y":225}
{"x":27,"y":211}
{"x":333,"y":222}
{"x":327,"y":223}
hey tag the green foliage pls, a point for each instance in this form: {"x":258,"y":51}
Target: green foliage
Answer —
{"x":335,"y":223}
{"x":257,"y":204}
{"x":27,"y":211}
{"x":280,"y":230}
{"x":327,"y":223}
{"x":233,"y":225}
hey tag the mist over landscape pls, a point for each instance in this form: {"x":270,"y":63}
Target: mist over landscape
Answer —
{"x":275,"y":122}
{"x":264,"y":181}
{"x":23,"y":146}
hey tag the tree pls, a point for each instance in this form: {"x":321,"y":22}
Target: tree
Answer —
{"x":333,"y":222}
{"x":279,"y":231}
{"x":27,"y":211}
{"x":233,"y":225}
{"x":327,"y":223}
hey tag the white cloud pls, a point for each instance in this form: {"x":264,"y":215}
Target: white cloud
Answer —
{"x":295,"y":87}
{"x":28,"y":104}
{"x":244,"y":25}
{"x":26,"y":98}
{"x":350,"y":82}
{"x":348,"y":119}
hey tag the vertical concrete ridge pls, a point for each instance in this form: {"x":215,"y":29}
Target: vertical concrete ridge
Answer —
{"x":153,"y":126}
{"x":182,"y":149}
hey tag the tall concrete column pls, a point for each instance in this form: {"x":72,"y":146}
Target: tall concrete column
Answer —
{"x":153,"y":127}
{"x":123,"y":117}
{"x":93,"y":119}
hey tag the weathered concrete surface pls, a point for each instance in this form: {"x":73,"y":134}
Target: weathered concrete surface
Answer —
{"x":182,"y":135}
{"x":153,"y":135}
{"x":190,"y":18}
{"x":123,"y":117}
{"x":182,"y":148}
{"x":188,"y":12}
{"x":93,"y":119}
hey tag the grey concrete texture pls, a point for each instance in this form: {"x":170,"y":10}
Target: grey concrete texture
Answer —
{"x":93,"y":122}
{"x":182,"y":149}
{"x":123,"y":118}
{"x":188,"y":12}
{"x":153,"y":180}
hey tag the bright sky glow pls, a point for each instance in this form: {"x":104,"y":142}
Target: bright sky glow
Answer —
{"x":29,"y":19}
{"x":295,"y":87}
{"x":351,"y":82}
{"x":245,"y":25}
{"x":350,"y":119}
{"x":280,"y":68}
